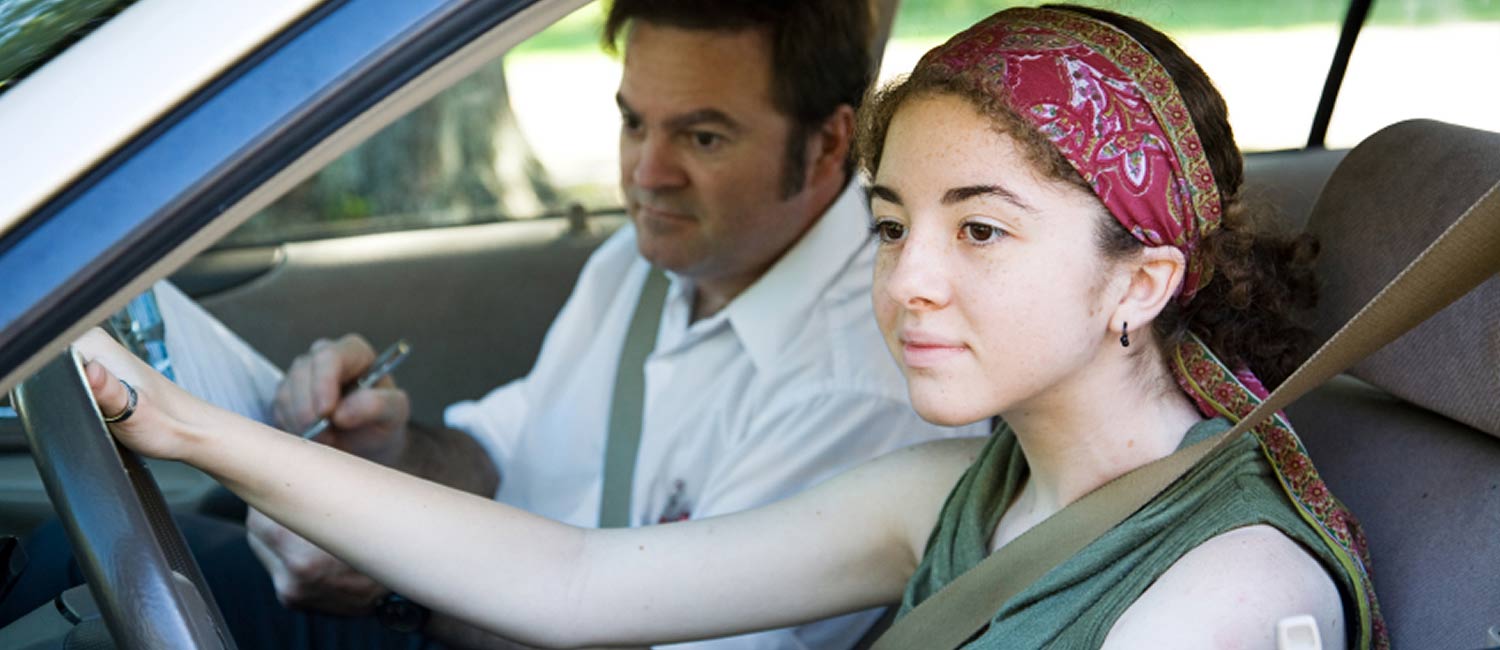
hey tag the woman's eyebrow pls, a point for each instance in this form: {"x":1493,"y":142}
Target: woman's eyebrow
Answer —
{"x":955,"y":195}
{"x":883,"y":193}
{"x":961,"y":194}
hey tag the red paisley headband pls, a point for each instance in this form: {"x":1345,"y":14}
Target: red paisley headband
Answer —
{"x":1110,"y":108}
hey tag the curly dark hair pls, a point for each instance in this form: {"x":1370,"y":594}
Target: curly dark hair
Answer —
{"x":1263,"y":278}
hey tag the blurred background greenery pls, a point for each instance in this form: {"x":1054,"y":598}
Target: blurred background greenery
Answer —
{"x":33,"y":31}
{"x":926,"y":19}
{"x":515,"y":141}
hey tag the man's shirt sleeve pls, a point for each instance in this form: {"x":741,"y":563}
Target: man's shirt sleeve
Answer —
{"x":500,"y":419}
{"x":793,"y":446}
{"x":495,"y":421}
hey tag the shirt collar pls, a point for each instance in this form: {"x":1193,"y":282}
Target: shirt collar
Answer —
{"x":769,"y":312}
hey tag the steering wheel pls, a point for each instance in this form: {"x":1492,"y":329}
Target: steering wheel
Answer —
{"x":138,"y":567}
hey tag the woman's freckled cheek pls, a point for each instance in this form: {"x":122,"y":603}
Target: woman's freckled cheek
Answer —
{"x":885,"y":305}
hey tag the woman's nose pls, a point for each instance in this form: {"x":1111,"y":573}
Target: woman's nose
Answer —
{"x":916,"y":274}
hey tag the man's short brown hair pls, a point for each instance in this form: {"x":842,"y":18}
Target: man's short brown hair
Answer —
{"x":820,"y":54}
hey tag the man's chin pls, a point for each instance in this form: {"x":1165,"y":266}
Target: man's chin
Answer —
{"x":675,"y":254}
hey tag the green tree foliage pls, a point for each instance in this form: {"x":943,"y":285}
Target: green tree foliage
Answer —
{"x":34,"y":31}
{"x":459,"y":158}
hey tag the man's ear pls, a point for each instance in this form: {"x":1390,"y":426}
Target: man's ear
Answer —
{"x":829,"y":147}
{"x":1154,"y":277}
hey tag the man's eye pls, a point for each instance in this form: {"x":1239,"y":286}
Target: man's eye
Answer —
{"x":706,"y":140}
{"x":889,"y":231}
{"x":981,"y":233}
{"x":630,"y":123}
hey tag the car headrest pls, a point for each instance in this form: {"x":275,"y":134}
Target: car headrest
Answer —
{"x":1388,"y":199}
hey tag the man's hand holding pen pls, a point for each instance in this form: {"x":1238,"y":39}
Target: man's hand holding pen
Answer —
{"x":366,"y":415}
{"x":369,"y":420}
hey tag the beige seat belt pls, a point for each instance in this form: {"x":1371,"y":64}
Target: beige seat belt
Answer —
{"x":1465,"y":255}
{"x":626,"y":408}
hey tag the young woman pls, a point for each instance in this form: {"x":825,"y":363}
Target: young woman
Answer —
{"x":1061,"y":242}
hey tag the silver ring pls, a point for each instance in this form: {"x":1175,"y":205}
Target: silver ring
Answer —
{"x":130,"y":403}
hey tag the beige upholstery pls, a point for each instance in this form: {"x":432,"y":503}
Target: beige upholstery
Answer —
{"x":474,"y":301}
{"x":1289,"y":181}
{"x":1425,"y":489}
{"x":1389,"y":198}
{"x":1406,"y":448}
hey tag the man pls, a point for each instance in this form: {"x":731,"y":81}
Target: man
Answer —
{"x":764,"y":375}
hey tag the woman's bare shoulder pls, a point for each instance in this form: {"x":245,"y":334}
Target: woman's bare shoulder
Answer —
{"x":1235,"y":586}
{"x":914,"y":482}
{"x":936,"y":464}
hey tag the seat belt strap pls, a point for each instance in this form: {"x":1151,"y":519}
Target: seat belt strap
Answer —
{"x":1456,"y":262}
{"x":626,"y":406}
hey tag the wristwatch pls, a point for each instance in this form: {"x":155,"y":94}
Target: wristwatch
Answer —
{"x":398,"y":613}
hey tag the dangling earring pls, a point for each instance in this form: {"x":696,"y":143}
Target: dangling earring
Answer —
{"x":1125,"y":335}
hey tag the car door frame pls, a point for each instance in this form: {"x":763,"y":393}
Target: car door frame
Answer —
{"x":335,"y":76}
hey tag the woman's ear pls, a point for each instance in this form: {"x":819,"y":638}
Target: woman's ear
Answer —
{"x":1154,"y":277}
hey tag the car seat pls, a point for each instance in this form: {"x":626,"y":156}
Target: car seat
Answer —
{"x":1407,"y":438}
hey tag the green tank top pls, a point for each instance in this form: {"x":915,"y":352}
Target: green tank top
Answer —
{"x":1076,"y":604}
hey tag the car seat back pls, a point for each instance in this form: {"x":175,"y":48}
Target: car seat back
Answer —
{"x":1408,"y":437}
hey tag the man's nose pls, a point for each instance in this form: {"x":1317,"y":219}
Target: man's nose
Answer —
{"x":917,"y":278}
{"x":655,"y":166}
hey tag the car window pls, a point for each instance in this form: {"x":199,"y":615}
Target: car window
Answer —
{"x":32,"y":32}
{"x":1427,"y":59}
{"x":532,"y":134}
{"x":1268,"y":59}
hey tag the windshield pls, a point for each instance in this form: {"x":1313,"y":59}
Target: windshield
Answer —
{"x":32,"y":32}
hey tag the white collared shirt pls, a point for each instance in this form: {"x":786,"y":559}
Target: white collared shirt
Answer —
{"x":785,"y":387}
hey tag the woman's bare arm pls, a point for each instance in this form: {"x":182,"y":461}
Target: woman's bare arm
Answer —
{"x":846,"y":545}
{"x":1229,"y":592}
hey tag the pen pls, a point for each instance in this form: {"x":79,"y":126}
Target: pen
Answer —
{"x":384,"y":365}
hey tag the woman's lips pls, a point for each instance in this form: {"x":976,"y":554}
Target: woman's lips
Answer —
{"x":925,"y":352}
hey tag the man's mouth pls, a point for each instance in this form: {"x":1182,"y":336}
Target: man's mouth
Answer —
{"x":656,"y":210}
{"x":663,"y":214}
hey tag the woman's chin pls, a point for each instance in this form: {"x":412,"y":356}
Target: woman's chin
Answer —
{"x":945,"y":413}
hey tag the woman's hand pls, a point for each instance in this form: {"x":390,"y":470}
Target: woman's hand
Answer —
{"x":157,"y":425}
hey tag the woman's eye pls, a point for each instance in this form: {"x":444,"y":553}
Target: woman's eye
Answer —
{"x":889,"y":231}
{"x":981,"y":233}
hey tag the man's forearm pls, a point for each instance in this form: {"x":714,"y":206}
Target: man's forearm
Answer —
{"x":449,"y":457}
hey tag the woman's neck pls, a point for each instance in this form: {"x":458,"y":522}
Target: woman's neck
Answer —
{"x":1096,"y":426}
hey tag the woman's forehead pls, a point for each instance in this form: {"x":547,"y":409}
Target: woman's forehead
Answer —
{"x":939,"y":142}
